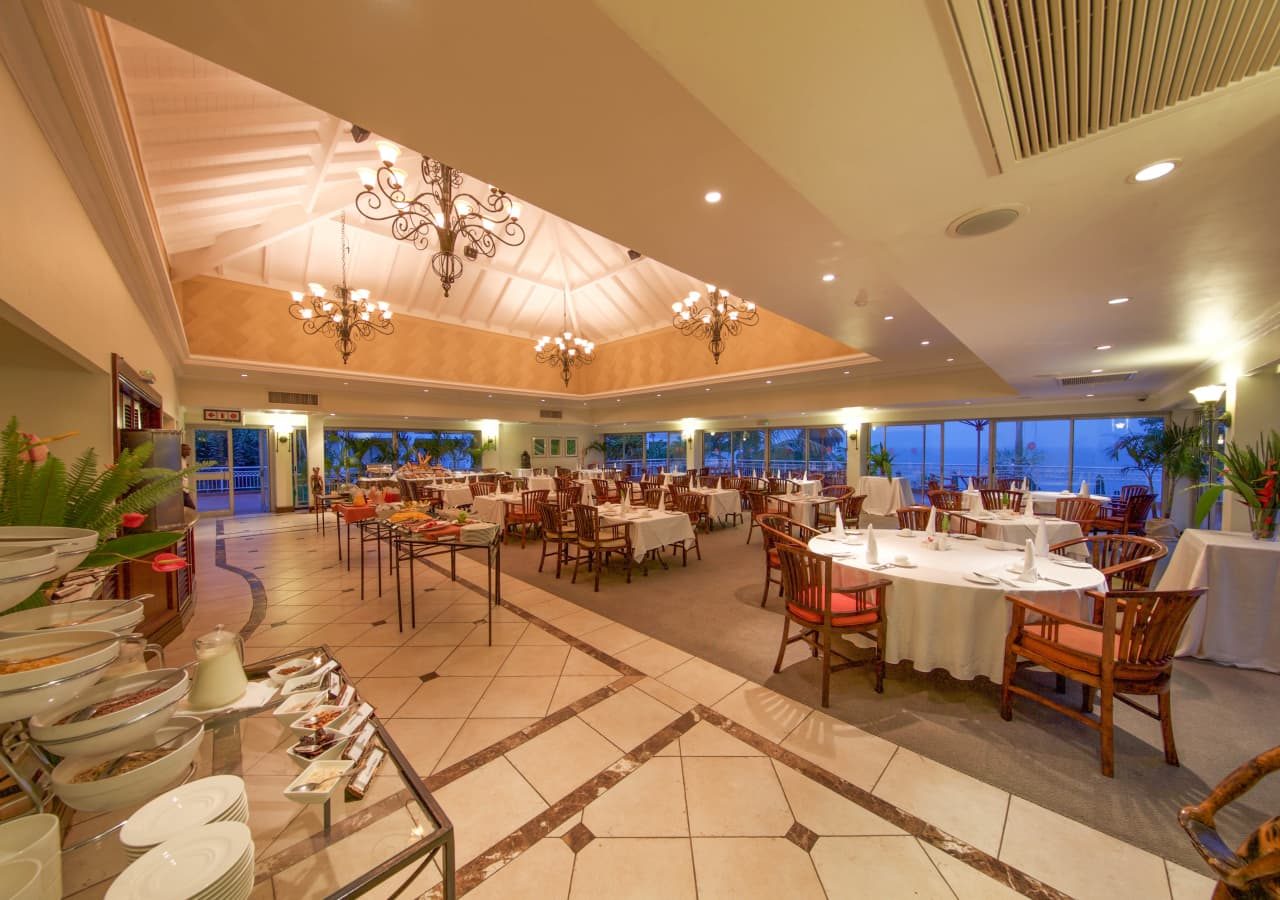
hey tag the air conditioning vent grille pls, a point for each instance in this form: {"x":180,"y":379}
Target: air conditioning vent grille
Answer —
{"x":285,"y":398}
{"x":1103,"y":378}
{"x":1072,"y":68}
{"x":550,"y":414}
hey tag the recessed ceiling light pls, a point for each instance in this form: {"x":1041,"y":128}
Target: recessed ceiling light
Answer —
{"x":619,"y":400}
{"x":1155,"y":170}
{"x":888,"y":318}
{"x":244,"y":374}
{"x":346,"y":382}
{"x":968,"y":403}
{"x":1116,"y":301}
{"x":804,"y":414}
{"x":951,"y":359}
{"x":406,"y":417}
{"x":491,"y":396}
{"x":1103,"y":347}
{"x":768,"y":381}
{"x":333,"y":414}
{"x":428,"y":391}
{"x":1094,"y":371}
{"x":846,"y":371}
{"x":1088,"y":395}
{"x":706,"y":389}
{"x":711,"y":196}
{"x":924,"y":343}
{"x":829,"y":277}
{"x":657,"y":395}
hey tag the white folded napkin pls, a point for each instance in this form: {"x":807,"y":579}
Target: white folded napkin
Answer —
{"x":838,"y":531}
{"x":970,"y":487}
{"x":1042,"y":539}
{"x":931,"y":527}
{"x":1029,"y":575}
{"x":1025,"y":486}
{"x":873,"y":554}
{"x":755,"y":473}
{"x":720,"y":483}
{"x":1084,"y":487}
{"x":626,"y":502}
{"x":805,"y":476}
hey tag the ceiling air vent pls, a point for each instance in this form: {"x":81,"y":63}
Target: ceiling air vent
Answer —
{"x":1104,"y":378}
{"x":1071,"y":68}
{"x":284,"y":398}
{"x":550,"y":414}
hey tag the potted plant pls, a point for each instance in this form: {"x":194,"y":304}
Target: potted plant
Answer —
{"x":594,"y":447}
{"x":1171,"y":448}
{"x":880,"y":461}
{"x":1250,"y":472}
{"x":478,"y":452}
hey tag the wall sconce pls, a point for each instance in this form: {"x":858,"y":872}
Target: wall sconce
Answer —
{"x":852,"y":418}
{"x":1209,"y":393}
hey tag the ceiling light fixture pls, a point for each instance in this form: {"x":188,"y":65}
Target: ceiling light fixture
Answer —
{"x":1095,"y":371}
{"x":888,"y":318}
{"x":442,"y":208}
{"x":829,"y":277}
{"x":1116,"y":301}
{"x":1103,"y":347}
{"x":951,"y":359}
{"x":244,"y":374}
{"x":1088,"y":395}
{"x":714,"y":319}
{"x":712,"y":196}
{"x":564,"y":350}
{"x":348,"y":316}
{"x":1155,"y":170}
{"x":924,"y":343}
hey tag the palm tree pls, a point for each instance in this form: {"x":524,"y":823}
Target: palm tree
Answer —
{"x":1170,"y":447}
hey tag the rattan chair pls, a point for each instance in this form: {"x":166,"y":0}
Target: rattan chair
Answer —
{"x":1132,"y":519}
{"x":569,"y":497}
{"x":1081,"y":510}
{"x":757,"y":506}
{"x":958,"y":523}
{"x":597,"y":542}
{"x":481,"y":488}
{"x":1128,"y":560}
{"x":695,"y":507}
{"x":850,"y":506}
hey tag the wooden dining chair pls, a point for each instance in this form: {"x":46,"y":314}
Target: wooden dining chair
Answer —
{"x":757,"y":506}
{"x":525,"y":512}
{"x":1127,"y":560}
{"x":776,"y":528}
{"x":597,"y":542}
{"x":948,"y":500}
{"x":850,"y":506}
{"x":604,"y":492}
{"x":1132,"y":519}
{"x":481,"y":488}
{"x":824,"y":610}
{"x":1081,"y":510}
{"x":1001,"y":498}
{"x":1129,"y":653}
{"x":914,"y":517}
{"x":695,"y":507}
{"x":959,"y":523}
{"x":558,"y":534}
{"x":1008,"y":484}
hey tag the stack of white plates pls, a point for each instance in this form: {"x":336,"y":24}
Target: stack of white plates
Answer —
{"x":210,"y":862}
{"x":220,"y":798}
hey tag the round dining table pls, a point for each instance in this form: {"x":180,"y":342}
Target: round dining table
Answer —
{"x":946,"y":609}
{"x":1016,"y":529}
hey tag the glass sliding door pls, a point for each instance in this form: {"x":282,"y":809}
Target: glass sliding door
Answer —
{"x":250,"y":471}
{"x":212,"y":485}
{"x":1036,"y":449}
{"x":786,"y":451}
{"x":655,"y":452}
{"x":828,"y":451}
{"x":967,"y":453}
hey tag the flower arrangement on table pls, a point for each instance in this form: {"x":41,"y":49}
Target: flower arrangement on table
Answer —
{"x":38,"y":488}
{"x":1250,"y":472}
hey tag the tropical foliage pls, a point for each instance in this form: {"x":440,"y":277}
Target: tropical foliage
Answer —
{"x":880,"y":461}
{"x":1250,"y":472}
{"x":1160,"y":446}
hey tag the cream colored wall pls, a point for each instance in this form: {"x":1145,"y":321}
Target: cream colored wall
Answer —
{"x":1254,"y":403}
{"x":516,"y":437}
{"x":50,"y":401}
{"x":58,"y":284}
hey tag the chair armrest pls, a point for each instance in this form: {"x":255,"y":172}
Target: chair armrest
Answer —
{"x":621,"y":527}
{"x":1049,"y":614}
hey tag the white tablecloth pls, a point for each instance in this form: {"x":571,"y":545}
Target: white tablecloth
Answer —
{"x":1237,"y":621}
{"x":884,"y":496}
{"x":811,"y":487}
{"x":721,"y":502}
{"x":1046,"y":502}
{"x":1018,"y":530}
{"x":542,"y":483}
{"x":650,"y":528}
{"x":493,"y":507}
{"x":801,"y":508}
{"x":938,"y":620}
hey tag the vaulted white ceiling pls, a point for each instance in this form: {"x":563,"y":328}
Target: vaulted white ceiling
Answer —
{"x":249,"y":184}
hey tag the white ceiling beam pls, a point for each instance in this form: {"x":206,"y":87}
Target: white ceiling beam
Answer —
{"x":280,"y":224}
{"x":229,"y":175}
{"x":617,"y":270}
{"x":245,"y":148}
{"x":330,"y":137}
{"x":564,"y":278}
{"x":157,"y":127}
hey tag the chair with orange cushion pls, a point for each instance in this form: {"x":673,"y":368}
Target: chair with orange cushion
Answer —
{"x":999,"y":498}
{"x":597,"y":542}
{"x":824,"y":611}
{"x":778,"y":529}
{"x":913,"y":517}
{"x":1081,"y":510}
{"x":525,"y":513}
{"x":757,"y":506}
{"x":952,"y":501}
{"x":1130,"y":652}
{"x":850,"y":506}
{"x":1131,"y":519}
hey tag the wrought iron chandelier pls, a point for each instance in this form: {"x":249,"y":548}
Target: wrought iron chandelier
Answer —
{"x":713,"y":319}
{"x":348,"y":315}
{"x":453,"y":215}
{"x":564,"y":350}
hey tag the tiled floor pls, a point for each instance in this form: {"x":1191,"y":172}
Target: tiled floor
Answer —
{"x":670,"y":777}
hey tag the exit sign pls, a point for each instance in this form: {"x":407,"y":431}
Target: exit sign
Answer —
{"x":222,"y":415}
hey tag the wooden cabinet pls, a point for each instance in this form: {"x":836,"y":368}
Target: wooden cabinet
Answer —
{"x":168,"y":612}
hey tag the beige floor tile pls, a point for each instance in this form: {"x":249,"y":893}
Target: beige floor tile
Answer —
{"x":967,"y":883}
{"x":652,"y":657}
{"x":442,"y":634}
{"x":510,"y":696}
{"x":409,"y":661}
{"x":424,"y":740}
{"x":542,"y":871}
{"x":957,"y":803}
{"x":536,"y":636}
{"x":840,"y":748}
{"x":445,"y":697}
{"x":878,"y":867}
{"x":634,"y":869}
{"x":563,"y":758}
{"x":504,"y":633}
{"x":825,"y":812}
{"x":534,"y":660}
{"x":629,"y":717}
{"x":735,"y":796}
{"x":463,"y":612}
{"x":767,"y":713}
{"x":582,"y":623}
{"x":703,"y":681}
{"x":312,"y":615}
{"x":1076,"y":859}
{"x":579,"y":663}
{"x":280,"y":636}
{"x":705,"y":739}
{"x":668,"y":695}
{"x":754,"y":869}
{"x":327,"y":870}
{"x":388,"y":635}
{"x":1185,"y":884}
{"x":614,"y":638}
{"x":488,"y":804}
{"x":572,"y":688}
{"x":372,"y":611}
{"x":647,"y":803}
{"x":386,"y":694}
{"x":477,"y":734}
{"x":474,"y":661}
{"x":336,"y":634}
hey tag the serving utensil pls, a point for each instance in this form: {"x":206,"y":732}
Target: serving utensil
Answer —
{"x":119,"y":761}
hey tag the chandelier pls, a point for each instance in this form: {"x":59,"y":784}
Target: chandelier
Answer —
{"x":441,"y":208}
{"x":714,"y":319}
{"x":350,"y":314}
{"x":564,"y":350}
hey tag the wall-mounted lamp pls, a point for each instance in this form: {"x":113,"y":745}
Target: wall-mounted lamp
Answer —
{"x":852,"y":423}
{"x":1209,"y":393}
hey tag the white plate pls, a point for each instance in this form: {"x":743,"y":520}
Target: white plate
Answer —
{"x":1072,"y":563}
{"x":193,"y":804}
{"x":22,"y":704}
{"x":905,"y":565}
{"x":309,"y":662}
{"x":905,"y":532}
{"x":187,"y":865}
{"x":30,"y":620}
{"x":981,"y":579}
{"x":1000,"y":545}
{"x":22,"y":570}
{"x":71,"y":544}
{"x":963,"y":537}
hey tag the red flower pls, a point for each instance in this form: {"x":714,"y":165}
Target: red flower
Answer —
{"x":133,"y":519}
{"x":167,"y":562}
{"x":36,"y":450}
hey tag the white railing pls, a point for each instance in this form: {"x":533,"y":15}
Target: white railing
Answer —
{"x":247,"y":479}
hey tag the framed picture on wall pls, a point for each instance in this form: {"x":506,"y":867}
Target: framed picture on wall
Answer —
{"x":555,"y":447}
{"x":539,"y":446}
{"x":571,"y":447}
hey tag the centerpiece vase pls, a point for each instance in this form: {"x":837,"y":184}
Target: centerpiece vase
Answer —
{"x":1262,"y":523}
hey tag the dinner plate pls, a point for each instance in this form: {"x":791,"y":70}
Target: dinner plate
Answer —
{"x":964,"y":537}
{"x":1073,"y":563}
{"x":195,"y":863}
{"x":193,"y":804}
{"x":905,"y":565}
{"x":981,"y":579}
{"x":905,"y":532}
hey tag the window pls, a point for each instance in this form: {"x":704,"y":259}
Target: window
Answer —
{"x":828,"y":450}
{"x":717,"y":450}
{"x":664,"y":450}
{"x":622,"y":450}
{"x":748,"y":450}
{"x":1038,"y":450}
{"x":348,"y":451}
{"x":792,"y":450}
{"x":1095,"y":441}
{"x":916,"y":450}
{"x":967,"y":451}
{"x":786,"y":450}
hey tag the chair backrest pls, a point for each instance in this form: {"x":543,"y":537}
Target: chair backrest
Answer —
{"x":1007,"y":484}
{"x":552,"y":522}
{"x":653,"y":497}
{"x":778,"y":526}
{"x":807,"y":584}
{"x":587,"y":519}
{"x":678,"y":489}
{"x":1128,"y":560}
{"x":601,"y":488}
{"x":779,"y":485}
{"x":1147,"y":625}
{"x":569,"y":497}
{"x":690,"y":504}
{"x":1001,"y":498}
{"x":1132,"y":490}
{"x":506,"y":485}
{"x":757,"y":501}
{"x":949,"y":500}
{"x":482,"y":488}
{"x":1082,"y":510}
{"x":530,"y":500}
{"x":564,"y":482}
{"x":961,"y":524}
{"x":1138,"y":507}
{"x":913,"y":517}
{"x":979,"y":481}
{"x":850,"y":506}
{"x":835,"y":490}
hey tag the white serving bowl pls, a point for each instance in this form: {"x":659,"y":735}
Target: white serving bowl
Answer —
{"x":332,"y":753}
{"x":71,"y":544}
{"x":113,"y":732}
{"x":296,"y":705}
{"x":63,"y":616}
{"x":20,"y":880}
{"x":82,"y":670}
{"x":132,"y":787}
{"x":36,"y":837}
{"x":301,"y":730}
{"x":22,"y":570}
